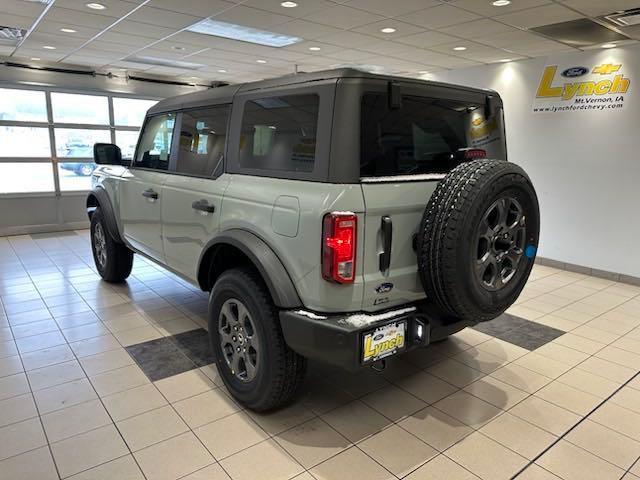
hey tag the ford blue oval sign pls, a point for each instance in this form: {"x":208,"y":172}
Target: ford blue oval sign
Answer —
{"x":575,"y":72}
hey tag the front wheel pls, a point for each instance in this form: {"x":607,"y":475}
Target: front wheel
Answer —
{"x":254,"y":361}
{"x":113,"y":260}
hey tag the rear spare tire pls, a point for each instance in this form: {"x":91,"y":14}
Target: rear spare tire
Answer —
{"x":478,"y":239}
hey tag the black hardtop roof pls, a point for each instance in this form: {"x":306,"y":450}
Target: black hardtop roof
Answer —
{"x":225,"y":94}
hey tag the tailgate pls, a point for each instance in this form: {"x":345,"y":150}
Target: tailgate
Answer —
{"x":404,"y":204}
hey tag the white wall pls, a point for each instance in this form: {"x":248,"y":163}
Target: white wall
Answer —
{"x":585,"y":165}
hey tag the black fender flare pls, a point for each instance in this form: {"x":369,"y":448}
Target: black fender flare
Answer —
{"x":278,"y":281}
{"x":99,"y":197}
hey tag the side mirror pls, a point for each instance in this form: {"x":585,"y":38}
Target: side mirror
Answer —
{"x":107,"y":154}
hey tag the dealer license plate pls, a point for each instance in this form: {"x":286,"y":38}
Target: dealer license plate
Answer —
{"x":384,"y":341}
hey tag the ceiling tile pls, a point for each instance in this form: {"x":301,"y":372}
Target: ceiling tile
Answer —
{"x":115,"y":8}
{"x":153,"y":32}
{"x":596,"y":8}
{"x":392,"y":8}
{"x":535,"y":17}
{"x":51,"y":27}
{"x":252,"y":17}
{"x":427,"y":39}
{"x":541,"y":48}
{"x":384,"y":47}
{"x":303,"y":47}
{"x":506,"y":40}
{"x":103,"y":54}
{"x":125,"y":39}
{"x":478,"y":28}
{"x":196,"y":8}
{"x":162,"y":18}
{"x":75,"y":17}
{"x":486,"y":8}
{"x":343,"y":17}
{"x":402,"y":29}
{"x":349,"y":39}
{"x":16,"y":21}
{"x":21,"y":8}
{"x":305,"y":7}
{"x":48,"y":55}
{"x":39,"y":39}
{"x":349,"y":55}
{"x":84,"y":60}
{"x":305,"y":29}
{"x":439,"y":17}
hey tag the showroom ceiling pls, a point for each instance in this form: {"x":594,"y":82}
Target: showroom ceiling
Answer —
{"x":408,"y":37}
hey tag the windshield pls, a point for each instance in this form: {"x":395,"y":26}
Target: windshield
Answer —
{"x":425,"y":135}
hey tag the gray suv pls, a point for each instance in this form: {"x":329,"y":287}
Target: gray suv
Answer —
{"x":339,"y":216}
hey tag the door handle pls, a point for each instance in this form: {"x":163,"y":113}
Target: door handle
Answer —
{"x":387,"y":234}
{"x":150,"y":193}
{"x":203,"y":206}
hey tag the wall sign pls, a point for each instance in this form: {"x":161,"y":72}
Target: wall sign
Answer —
{"x":579,"y":88}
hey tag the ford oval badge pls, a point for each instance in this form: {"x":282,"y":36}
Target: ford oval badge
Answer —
{"x":379,"y":336}
{"x":384,"y":287}
{"x":575,"y":72}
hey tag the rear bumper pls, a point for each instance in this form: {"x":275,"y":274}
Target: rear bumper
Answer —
{"x":337,"y":339}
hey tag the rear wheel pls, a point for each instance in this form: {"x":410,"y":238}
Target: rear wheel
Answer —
{"x":254,"y":361}
{"x":113,"y":260}
{"x":478,"y":239}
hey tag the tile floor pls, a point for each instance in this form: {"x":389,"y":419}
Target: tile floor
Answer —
{"x":549,"y":391}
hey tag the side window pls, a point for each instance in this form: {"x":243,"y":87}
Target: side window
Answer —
{"x":154,"y":149}
{"x":202,"y":140}
{"x":279,"y":133}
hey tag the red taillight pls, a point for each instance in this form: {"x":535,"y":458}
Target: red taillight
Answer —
{"x":475,"y":153}
{"x":339,"y":231}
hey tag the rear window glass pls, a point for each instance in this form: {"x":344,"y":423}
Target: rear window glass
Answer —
{"x":425,"y":135}
{"x":279,"y":133}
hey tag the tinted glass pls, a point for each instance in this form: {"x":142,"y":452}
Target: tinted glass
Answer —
{"x":155,"y":142}
{"x":424,"y":135}
{"x":75,"y":108}
{"x":279,"y":133}
{"x":22,"y":105}
{"x":24,"y":142}
{"x":130,"y":112}
{"x":202,"y":140}
{"x":78,"y":143}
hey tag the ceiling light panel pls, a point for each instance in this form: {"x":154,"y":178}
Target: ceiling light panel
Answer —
{"x":242,"y":33}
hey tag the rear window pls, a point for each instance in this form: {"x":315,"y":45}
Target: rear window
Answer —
{"x":279,"y":133}
{"x":425,"y":135}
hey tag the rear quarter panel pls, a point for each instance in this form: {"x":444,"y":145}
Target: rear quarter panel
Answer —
{"x":251,"y":203}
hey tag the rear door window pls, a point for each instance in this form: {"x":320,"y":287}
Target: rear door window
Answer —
{"x":154,"y":148}
{"x":279,"y":133}
{"x":203,"y":134}
{"x":425,"y":135}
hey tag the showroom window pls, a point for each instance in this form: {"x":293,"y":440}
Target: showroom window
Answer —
{"x":47,"y":136}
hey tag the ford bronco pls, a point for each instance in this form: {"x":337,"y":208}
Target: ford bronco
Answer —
{"x":339,"y":216}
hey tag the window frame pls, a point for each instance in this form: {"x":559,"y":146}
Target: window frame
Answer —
{"x":326,"y":93}
{"x":53,"y":159}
